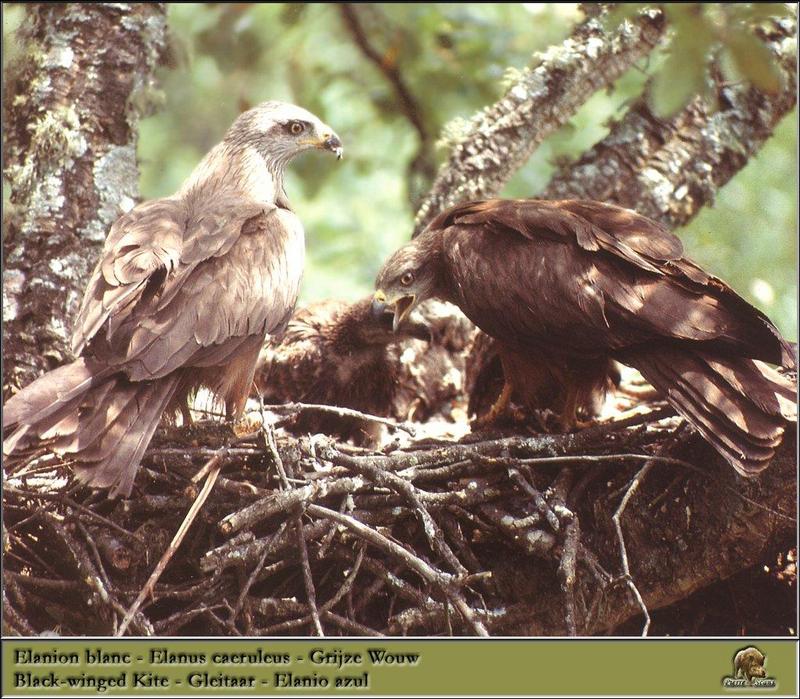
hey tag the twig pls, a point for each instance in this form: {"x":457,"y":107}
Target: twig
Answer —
{"x":623,"y":551}
{"x":341,"y":412}
{"x":46,"y":584}
{"x":14,"y":618}
{"x":55,"y":497}
{"x":438,"y":578}
{"x":308,"y":578}
{"x":567,"y":572}
{"x":386,"y":478}
{"x":217,"y":460}
{"x":246,"y":587}
{"x":276,"y":503}
{"x":422,"y":163}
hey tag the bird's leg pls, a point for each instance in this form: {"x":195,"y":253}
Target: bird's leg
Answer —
{"x":644,"y":394}
{"x":499,"y":408}
{"x":242,"y":424}
{"x":186,"y":414}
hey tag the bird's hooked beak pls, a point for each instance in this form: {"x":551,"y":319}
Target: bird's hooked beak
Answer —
{"x":326,"y":141}
{"x":402,"y":306}
{"x":330,"y":141}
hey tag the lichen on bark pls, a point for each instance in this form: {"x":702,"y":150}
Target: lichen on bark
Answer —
{"x":668,"y":169}
{"x":72,"y":102}
{"x":499,"y":139}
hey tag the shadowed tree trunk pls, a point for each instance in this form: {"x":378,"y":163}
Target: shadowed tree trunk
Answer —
{"x":72,"y":102}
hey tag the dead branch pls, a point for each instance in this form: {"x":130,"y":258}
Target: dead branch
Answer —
{"x":422,"y":166}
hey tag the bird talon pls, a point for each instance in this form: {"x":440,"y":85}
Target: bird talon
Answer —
{"x":499,"y":409}
{"x":247,"y":425}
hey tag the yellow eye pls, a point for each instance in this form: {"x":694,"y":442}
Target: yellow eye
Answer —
{"x":296,"y":128}
{"x":407,"y":278}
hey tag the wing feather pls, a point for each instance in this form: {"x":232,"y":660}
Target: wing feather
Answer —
{"x":619,"y":275}
{"x":171,"y":283}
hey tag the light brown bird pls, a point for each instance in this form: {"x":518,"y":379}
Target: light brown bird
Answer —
{"x":184,"y":293}
{"x":567,"y":286}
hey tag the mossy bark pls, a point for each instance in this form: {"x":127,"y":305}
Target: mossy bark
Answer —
{"x":500,"y":138}
{"x":72,"y":102}
{"x":668,"y":169}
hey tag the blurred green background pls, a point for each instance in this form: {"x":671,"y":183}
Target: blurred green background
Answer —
{"x":454,"y":59}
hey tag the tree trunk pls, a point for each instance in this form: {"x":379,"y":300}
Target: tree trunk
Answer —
{"x":72,"y":103}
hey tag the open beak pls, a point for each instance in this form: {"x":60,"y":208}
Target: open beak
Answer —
{"x":402,"y":307}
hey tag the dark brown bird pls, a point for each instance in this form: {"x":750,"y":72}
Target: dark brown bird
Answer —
{"x":339,"y":354}
{"x":183,"y":295}
{"x":566,"y":286}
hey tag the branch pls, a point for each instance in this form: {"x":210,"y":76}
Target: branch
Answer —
{"x":422,"y":164}
{"x":440,"y":524}
{"x":500,"y":138}
{"x":669,"y":169}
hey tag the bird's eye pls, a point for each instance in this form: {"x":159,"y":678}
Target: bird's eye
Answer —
{"x":407,"y":278}
{"x":296,"y":128}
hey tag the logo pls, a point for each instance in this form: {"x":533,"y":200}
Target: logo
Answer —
{"x":749,"y":670}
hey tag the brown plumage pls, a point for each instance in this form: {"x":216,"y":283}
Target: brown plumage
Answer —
{"x":432,"y":375}
{"x":567,"y":286}
{"x":337,"y":353}
{"x":183,"y":295}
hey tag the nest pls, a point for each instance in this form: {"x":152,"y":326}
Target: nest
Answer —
{"x":493,"y":534}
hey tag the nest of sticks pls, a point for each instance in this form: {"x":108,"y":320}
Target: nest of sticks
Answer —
{"x":492,"y":534}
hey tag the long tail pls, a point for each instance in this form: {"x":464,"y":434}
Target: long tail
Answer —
{"x":98,"y":419}
{"x":739,"y":405}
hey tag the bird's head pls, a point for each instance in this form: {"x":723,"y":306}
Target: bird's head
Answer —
{"x":280,"y":131}
{"x":408,"y":277}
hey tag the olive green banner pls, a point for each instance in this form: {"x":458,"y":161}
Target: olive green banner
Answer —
{"x":147,"y":667}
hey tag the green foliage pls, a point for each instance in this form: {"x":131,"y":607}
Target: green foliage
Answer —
{"x":701,"y":33}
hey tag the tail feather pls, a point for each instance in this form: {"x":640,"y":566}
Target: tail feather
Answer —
{"x":102,"y":423}
{"x":739,"y":405}
{"x":760,"y":382}
{"x":50,"y":392}
{"x":723,"y":434}
{"x":717,"y":397}
{"x":113,"y":459}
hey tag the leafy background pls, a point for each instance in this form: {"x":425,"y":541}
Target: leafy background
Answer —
{"x":454,"y":59}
